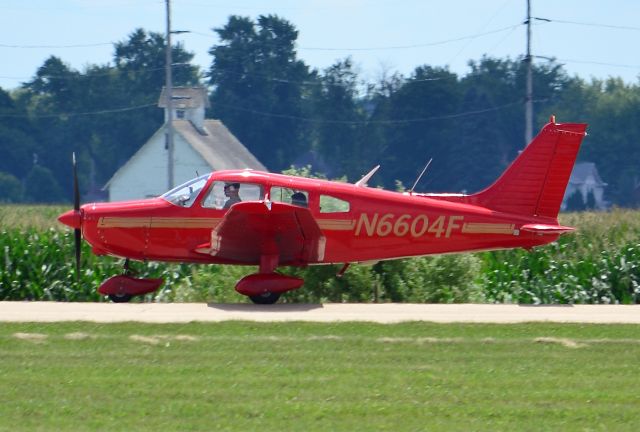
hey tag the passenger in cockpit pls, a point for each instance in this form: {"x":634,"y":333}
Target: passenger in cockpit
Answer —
{"x":299,"y":199}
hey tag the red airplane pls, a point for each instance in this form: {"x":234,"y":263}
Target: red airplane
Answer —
{"x":247,"y":217}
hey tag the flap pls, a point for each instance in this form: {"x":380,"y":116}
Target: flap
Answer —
{"x":250,"y":230}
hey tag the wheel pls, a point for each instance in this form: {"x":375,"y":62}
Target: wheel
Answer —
{"x":120,"y":298}
{"x":266,"y":298}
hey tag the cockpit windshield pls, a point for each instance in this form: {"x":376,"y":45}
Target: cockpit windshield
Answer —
{"x":186,"y":193}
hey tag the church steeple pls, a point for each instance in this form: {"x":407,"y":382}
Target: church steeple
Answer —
{"x":189,"y":103}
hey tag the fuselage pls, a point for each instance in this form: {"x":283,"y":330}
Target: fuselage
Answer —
{"x":359,"y":224}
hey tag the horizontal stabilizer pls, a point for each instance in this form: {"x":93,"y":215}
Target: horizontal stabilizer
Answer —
{"x":543,"y":229}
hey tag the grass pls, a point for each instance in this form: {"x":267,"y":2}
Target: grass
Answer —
{"x":304,"y":376}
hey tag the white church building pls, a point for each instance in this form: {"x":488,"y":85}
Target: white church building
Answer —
{"x":586,"y":180}
{"x":200,"y":146}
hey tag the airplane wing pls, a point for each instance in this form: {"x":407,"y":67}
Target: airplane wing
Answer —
{"x":543,"y":229}
{"x":250,"y":230}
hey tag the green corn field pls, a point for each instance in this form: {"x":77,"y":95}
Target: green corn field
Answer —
{"x":597,"y":264}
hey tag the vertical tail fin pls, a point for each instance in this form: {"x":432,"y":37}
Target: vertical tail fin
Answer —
{"x":534,"y":184}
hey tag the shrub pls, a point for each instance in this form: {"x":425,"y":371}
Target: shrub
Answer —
{"x":436,"y":279}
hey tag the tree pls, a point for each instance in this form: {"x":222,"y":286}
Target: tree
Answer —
{"x":104,"y":113}
{"x":16,"y":145}
{"x":10,"y":188}
{"x":260,"y":88}
{"x":627,"y":186}
{"x":479,"y":153}
{"x":614,"y":133}
{"x":494,"y":95}
{"x":140,"y":62}
{"x":42,"y":187}
{"x":415,"y":127}
{"x":54,"y":84}
{"x":341,"y":119}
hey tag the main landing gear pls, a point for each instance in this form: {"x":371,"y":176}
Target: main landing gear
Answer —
{"x":266,"y":298}
{"x":266,"y":286}
{"x":121,"y":288}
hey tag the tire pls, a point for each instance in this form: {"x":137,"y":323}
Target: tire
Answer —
{"x":120,"y":298}
{"x":266,"y":298}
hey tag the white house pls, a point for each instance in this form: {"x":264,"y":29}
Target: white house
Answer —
{"x":200,"y":146}
{"x":585,"y":179}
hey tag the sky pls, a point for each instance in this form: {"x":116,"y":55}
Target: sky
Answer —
{"x":591,"y":38}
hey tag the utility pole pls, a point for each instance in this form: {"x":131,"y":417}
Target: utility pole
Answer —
{"x":528,"y":115}
{"x":169,"y":94}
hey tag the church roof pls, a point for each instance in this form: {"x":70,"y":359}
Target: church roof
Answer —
{"x":217,"y":145}
{"x":220,"y":149}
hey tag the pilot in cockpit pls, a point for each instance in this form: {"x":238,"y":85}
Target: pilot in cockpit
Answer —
{"x":299,"y":199}
{"x":231,"y":191}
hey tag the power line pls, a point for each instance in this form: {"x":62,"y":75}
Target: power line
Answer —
{"x":627,"y":66}
{"x":486,"y":24}
{"x":277,"y":115}
{"x":393,"y":47}
{"x":421,"y":45}
{"x":203,"y":34}
{"x":611,"y":26}
{"x":408,"y":46}
{"x":74,"y":75}
{"x":79,"y":114}
{"x":382,"y":122}
{"x":56,"y":46}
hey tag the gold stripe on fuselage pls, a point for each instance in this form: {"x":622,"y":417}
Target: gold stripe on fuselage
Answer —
{"x":157,"y":222}
{"x":167,"y":222}
{"x":487,"y":228}
{"x":184,"y":222}
{"x":336,"y":224}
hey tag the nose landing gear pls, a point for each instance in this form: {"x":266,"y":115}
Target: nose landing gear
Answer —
{"x":121,"y":288}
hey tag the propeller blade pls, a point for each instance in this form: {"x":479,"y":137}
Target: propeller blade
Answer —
{"x":76,"y":189}
{"x":77,"y":233}
{"x":78,"y":242}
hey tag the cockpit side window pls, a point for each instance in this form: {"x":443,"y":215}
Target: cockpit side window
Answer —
{"x":185,"y":194}
{"x":222,"y":195}
{"x":290,"y":196}
{"x":329,"y":204}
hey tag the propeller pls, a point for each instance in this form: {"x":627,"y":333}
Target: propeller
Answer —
{"x":77,"y":232}
{"x":73,"y":218}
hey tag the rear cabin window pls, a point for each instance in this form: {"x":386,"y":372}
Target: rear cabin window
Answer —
{"x":329,"y":204}
{"x":223,"y":195}
{"x":289,"y":196}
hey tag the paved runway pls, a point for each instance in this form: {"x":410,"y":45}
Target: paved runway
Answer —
{"x":331,"y":312}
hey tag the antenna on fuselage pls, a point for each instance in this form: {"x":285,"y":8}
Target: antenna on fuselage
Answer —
{"x":363,"y":181}
{"x":420,"y":176}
